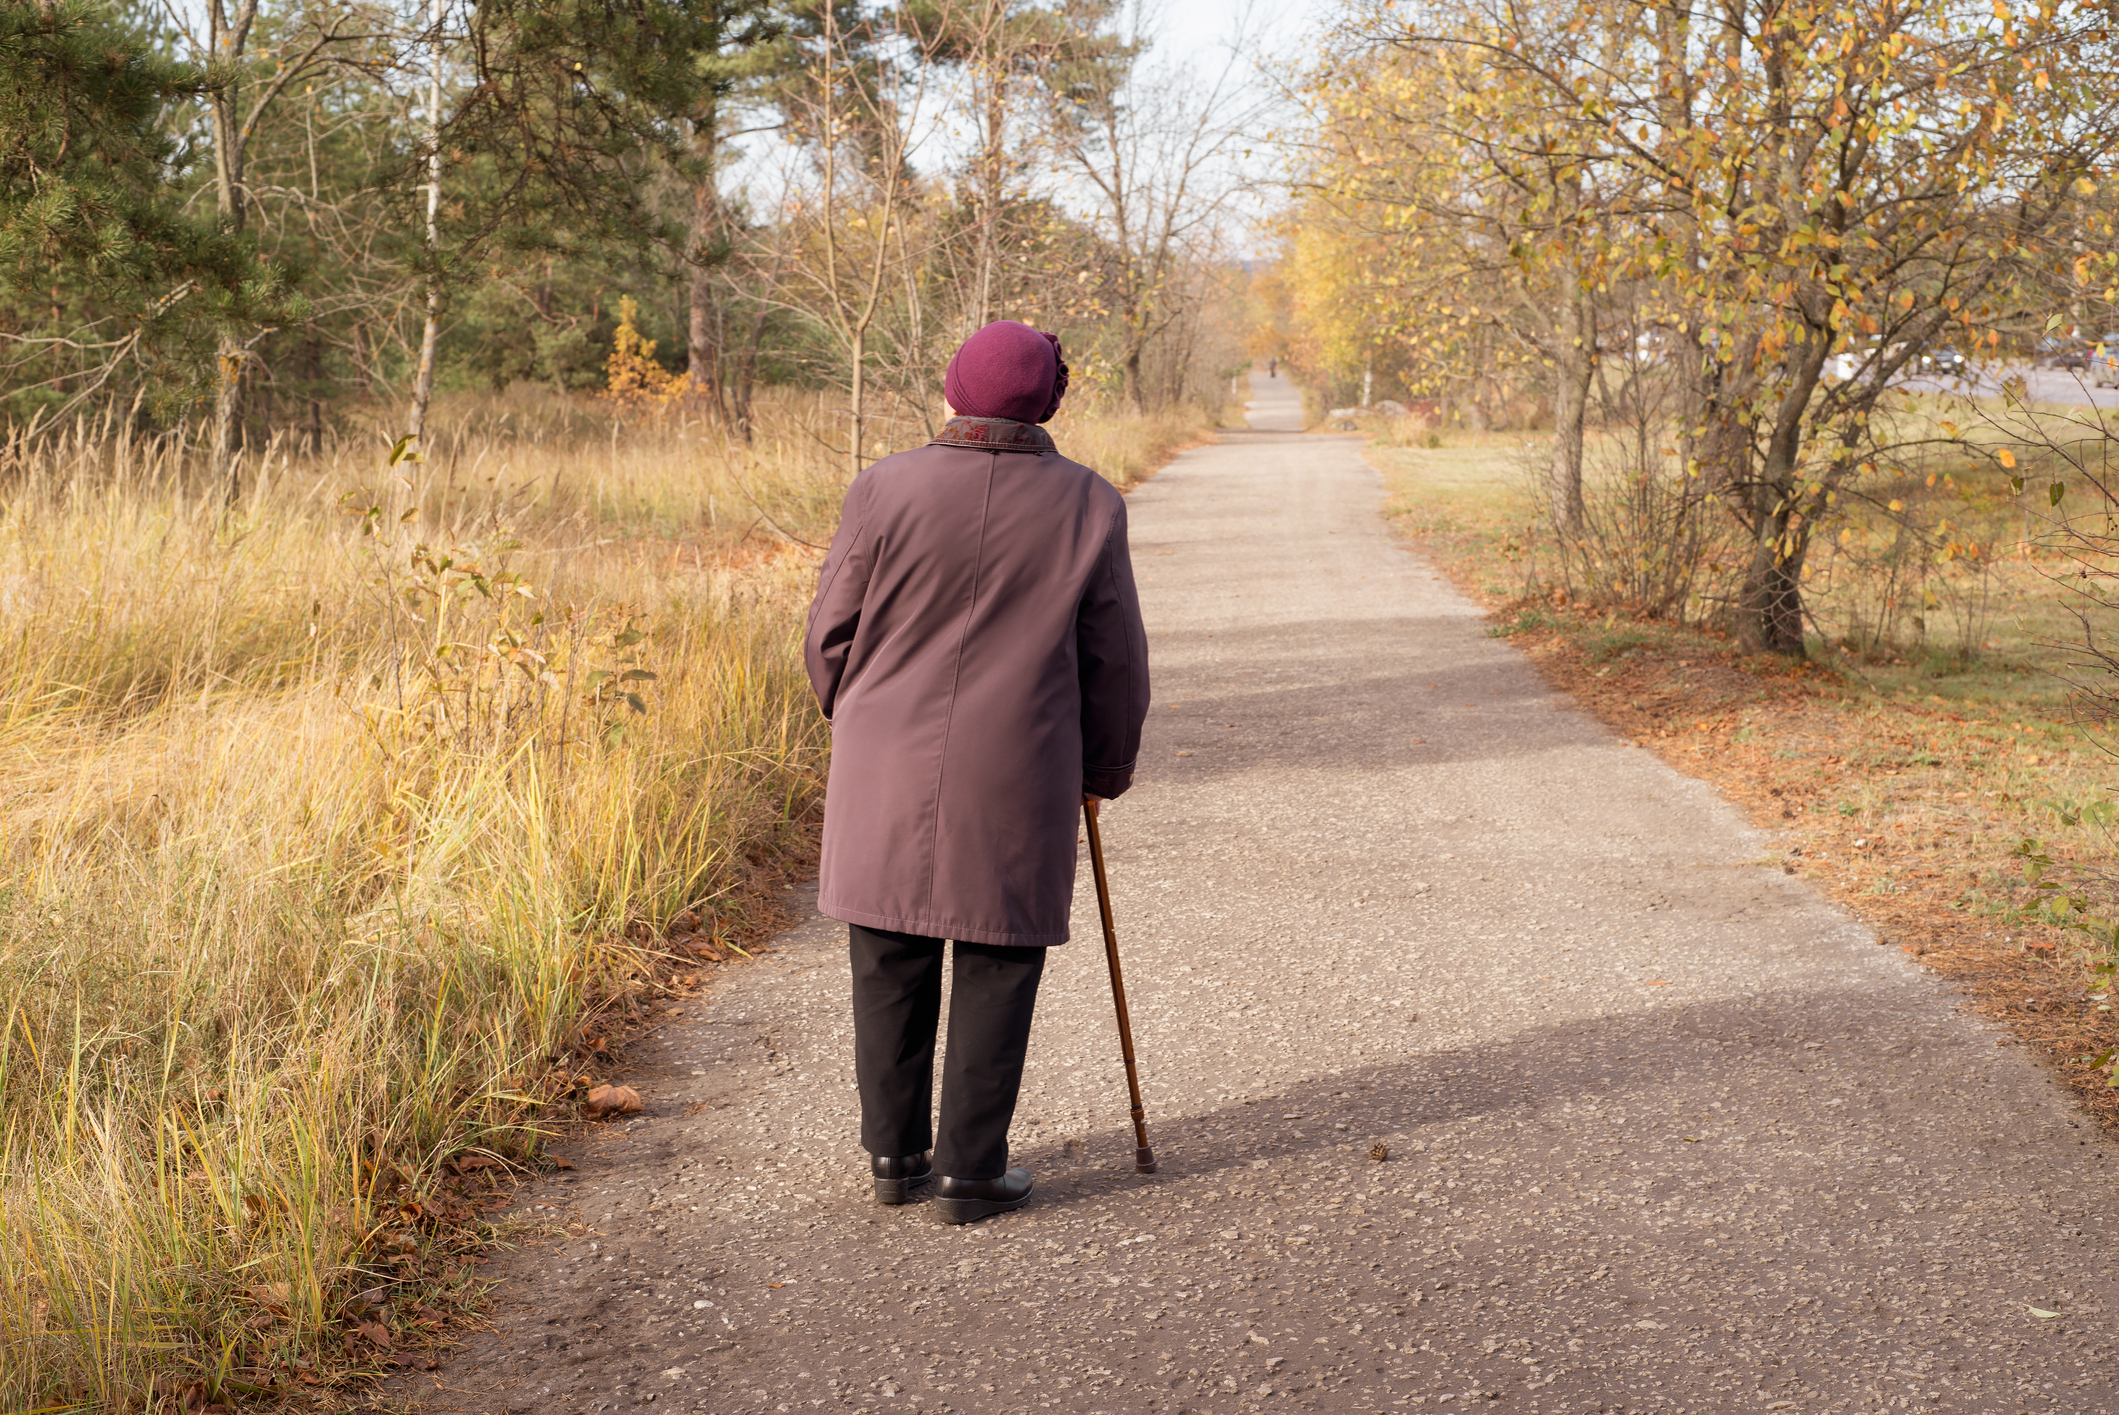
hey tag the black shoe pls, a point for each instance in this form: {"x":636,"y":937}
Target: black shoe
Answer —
{"x":966,"y":1200}
{"x":898,"y":1175}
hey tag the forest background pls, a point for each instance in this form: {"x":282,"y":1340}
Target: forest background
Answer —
{"x":421,"y":421}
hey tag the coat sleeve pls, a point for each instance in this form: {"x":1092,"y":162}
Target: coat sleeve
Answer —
{"x":1111,"y":647}
{"x":835,"y":614}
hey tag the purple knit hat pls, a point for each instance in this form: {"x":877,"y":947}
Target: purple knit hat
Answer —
{"x":1007,"y":370}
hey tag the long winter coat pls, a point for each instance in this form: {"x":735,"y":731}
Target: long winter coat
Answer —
{"x":976,"y":642}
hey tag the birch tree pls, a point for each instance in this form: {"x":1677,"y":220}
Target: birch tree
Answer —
{"x":856,"y":105}
{"x":254,"y":67}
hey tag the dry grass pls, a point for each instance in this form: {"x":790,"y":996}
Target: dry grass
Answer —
{"x":325,"y":820}
{"x":1899,"y":778}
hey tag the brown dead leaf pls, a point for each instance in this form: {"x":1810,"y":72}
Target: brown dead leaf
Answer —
{"x":272,"y":1296}
{"x":375,"y":1332}
{"x":562,"y":1162}
{"x":613,"y":1100}
{"x":471,"y":1164}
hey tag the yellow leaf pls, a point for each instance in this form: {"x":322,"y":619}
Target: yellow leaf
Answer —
{"x":2008,"y":458}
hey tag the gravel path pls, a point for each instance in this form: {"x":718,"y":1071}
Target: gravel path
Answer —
{"x":1665,"y":1131}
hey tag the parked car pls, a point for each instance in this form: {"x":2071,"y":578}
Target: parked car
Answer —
{"x":2104,"y":361}
{"x":1943,"y":361}
{"x":2061,"y":351}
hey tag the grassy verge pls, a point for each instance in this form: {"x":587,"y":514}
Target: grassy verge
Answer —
{"x":1901,"y":782}
{"x":339,"y":826}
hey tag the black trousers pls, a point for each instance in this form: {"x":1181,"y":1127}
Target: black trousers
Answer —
{"x":897,"y":1002}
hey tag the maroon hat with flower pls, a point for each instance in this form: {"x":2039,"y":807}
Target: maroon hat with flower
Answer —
{"x":1007,"y":370}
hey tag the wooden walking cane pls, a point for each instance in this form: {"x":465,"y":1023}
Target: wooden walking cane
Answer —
{"x":1143,"y":1156}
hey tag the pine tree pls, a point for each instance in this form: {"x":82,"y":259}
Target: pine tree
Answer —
{"x":89,"y":223}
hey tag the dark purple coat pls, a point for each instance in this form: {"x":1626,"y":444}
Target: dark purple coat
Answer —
{"x":976,"y":642}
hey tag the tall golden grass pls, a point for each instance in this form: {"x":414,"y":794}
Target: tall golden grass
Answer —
{"x":324,"y":815}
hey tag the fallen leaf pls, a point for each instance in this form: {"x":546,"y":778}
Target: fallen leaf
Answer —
{"x":375,"y":1332}
{"x":562,"y":1162}
{"x":2042,"y":1313}
{"x":614,"y":1100}
{"x":1659,"y":983}
{"x":273,"y":1296}
{"x":467,"y":1164}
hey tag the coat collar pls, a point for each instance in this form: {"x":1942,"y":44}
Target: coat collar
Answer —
{"x":994,"y":435}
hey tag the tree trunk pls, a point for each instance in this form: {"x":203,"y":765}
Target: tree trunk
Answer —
{"x":1769,"y":603}
{"x":229,"y":353}
{"x":228,"y":415}
{"x":856,"y":389}
{"x":1576,"y":362}
{"x":992,"y":173}
{"x":1769,"y":606}
{"x":703,"y":345}
{"x":746,"y":373}
{"x":703,"y":325}
{"x":315,"y":351}
{"x":430,"y":334}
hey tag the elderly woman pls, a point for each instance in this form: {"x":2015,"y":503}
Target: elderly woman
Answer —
{"x":976,"y":642}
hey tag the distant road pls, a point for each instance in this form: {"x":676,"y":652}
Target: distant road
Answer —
{"x":2047,"y":385}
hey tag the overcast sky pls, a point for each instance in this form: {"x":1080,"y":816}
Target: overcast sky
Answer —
{"x":1199,"y":29}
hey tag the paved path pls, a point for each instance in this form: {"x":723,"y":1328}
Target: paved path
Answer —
{"x":1665,"y":1131}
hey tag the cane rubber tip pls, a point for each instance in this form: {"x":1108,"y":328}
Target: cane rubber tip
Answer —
{"x":1144,"y":1160}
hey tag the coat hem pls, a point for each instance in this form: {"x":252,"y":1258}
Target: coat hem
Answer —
{"x":932,"y":928}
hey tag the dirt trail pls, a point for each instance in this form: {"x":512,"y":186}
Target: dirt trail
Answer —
{"x":1665,"y":1131}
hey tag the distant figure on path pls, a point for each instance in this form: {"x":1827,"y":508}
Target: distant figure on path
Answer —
{"x":1273,"y":368}
{"x":976,"y":642}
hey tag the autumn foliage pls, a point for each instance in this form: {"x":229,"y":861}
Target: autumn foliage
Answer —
{"x":1738,"y":228}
